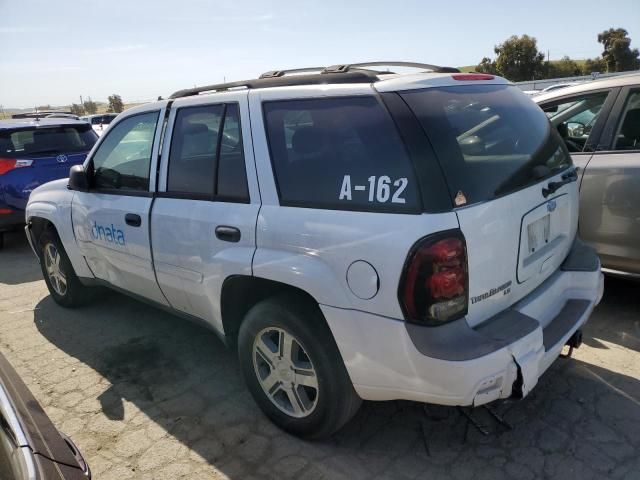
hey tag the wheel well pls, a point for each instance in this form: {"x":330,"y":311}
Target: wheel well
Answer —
{"x":38,"y":227}
{"x":240,"y":293}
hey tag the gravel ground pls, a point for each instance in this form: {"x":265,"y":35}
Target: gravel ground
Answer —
{"x":147,"y":395}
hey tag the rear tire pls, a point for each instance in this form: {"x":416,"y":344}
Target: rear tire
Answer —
{"x":293,"y":368}
{"x":63,"y":283}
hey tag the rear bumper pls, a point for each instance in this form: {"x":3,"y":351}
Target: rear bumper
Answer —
{"x":458,"y":365}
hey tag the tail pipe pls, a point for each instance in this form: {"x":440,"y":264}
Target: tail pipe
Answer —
{"x":574,"y":342}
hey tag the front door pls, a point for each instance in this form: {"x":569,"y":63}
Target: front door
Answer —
{"x":610,"y":207}
{"x":111,"y":220}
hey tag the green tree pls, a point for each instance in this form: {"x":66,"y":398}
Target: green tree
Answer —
{"x":564,"y":67}
{"x":517,"y":58}
{"x":115,"y":104}
{"x":77,"y":109}
{"x":592,"y":65}
{"x":90,"y":107}
{"x":486,"y":65}
{"x":618,"y":55}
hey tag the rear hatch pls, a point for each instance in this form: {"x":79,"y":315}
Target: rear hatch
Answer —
{"x":499,"y":156}
{"x":34,"y":155}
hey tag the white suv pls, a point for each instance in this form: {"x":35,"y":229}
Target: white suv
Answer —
{"x":358,"y":234}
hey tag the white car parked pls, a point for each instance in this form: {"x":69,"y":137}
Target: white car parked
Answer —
{"x":358,"y":234}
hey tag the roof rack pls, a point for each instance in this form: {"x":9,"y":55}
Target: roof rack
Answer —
{"x":342,"y":73}
{"x":423,"y":66}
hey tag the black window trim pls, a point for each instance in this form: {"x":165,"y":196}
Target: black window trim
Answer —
{"x":117,"y":191}
{"x":201,"y":196}
{"x":319,"y":205}
{"x":596,"y":136}
{"x":614,"y":122}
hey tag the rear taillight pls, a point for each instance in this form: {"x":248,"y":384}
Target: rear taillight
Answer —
{"x":5,"y":211}
{"x":435,"y":283}
{"x":8,"y":164}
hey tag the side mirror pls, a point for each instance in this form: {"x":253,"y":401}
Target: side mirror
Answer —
{"x":78,"y":179}
{"x":576,"y":129}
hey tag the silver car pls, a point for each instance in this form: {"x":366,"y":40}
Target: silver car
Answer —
{"x":600,"y":123}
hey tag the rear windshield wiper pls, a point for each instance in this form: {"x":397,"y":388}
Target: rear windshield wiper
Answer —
{"x":569,"y":177}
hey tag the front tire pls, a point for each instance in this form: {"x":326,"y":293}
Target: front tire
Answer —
{"x":63,"y":284}
{"x":293,"y":368}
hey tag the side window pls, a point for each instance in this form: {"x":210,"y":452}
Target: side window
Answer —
{"x":206,"y":157}
{"x":628,"y":135}
{"x":232,"y":174}
{"x":339,"y":153}
{"x":192,"y":157}
{"x":123,"y":159}
{"x":575,"y":118}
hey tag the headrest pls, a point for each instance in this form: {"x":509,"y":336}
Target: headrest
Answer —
{"x":308,"y":140}
{"x":194,"y":128}
{"x":631,"y":126}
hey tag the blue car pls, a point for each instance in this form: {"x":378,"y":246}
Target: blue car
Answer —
{"x":34,"y":152}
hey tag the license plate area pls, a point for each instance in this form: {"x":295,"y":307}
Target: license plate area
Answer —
{"x":538,"y":233}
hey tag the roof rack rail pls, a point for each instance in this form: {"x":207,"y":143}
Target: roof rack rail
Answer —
{"x":342,"y":73}
{"x":341,"y":68}
{"x":282,"y":73}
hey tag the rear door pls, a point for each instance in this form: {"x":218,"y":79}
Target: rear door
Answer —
{"x":204,"y":217}
{"x":501,"y":157}
{"x":111,"y":220}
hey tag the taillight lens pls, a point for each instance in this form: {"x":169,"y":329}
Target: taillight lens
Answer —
{"x":8,"y":164}
{"x":435,"y":283}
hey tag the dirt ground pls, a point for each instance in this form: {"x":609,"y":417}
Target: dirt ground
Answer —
{"x":147,"y":395}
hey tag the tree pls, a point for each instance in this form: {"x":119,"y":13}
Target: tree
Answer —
{"x":618,"y":55}
{"x":115,"y":104}
{"x":564,"y":67}
{"x":90,"y":107}
{"x":592,"y":65}
{"x":486,"y":65}
{"x":77,"y":109}
{"x":517,"y":59}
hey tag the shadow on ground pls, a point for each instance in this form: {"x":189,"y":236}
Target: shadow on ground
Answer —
{"x":18,"y":264}
{"x":617,"y":318}
{"x":582,"y":421}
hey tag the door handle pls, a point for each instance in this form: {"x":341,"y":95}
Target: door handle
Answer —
{"x":133,"y":219}
{"x":228,"y":234}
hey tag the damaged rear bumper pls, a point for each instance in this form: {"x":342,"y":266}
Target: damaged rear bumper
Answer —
{"x":456,"y":364}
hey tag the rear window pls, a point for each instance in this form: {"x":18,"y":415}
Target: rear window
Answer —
{"x":34,"y":142}
{"x":339,"y":153}
{"x":490,"y":139}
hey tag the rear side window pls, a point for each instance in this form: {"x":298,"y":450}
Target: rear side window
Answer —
{"x":206,"y":157}
{"x":340,"y":153}
{"x":46,"y":141}
{"x":490,"y":139}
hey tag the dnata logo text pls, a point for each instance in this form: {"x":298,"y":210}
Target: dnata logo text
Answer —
{"x":109,"y":234}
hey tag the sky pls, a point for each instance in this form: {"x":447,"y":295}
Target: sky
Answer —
{"x":53,"y":51}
